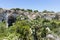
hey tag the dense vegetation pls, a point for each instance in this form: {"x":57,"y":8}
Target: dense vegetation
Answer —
{"x":29,"y":29}
{"x":25,"y":29}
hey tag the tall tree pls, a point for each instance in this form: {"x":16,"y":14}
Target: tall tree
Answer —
{"x":17,"y":8}
{"x":35,"y":11}
{"x":29,"y":10}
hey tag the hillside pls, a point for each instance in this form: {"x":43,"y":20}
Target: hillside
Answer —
{"x":21,"y":24}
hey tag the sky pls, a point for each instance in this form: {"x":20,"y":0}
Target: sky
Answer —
{"x":51,"y":5}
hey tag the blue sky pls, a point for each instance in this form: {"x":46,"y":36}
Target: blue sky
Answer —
{"x":52,"y":5}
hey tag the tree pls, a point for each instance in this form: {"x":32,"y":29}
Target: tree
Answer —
{"x":54,"y":24}
{"x":22,"y":10}
{"x":45,"y":11}
{"x":17,"y":8}
{"x":3,"y":30}
{"x":35,"y":11}
{"x":13,"y":9}
{"x":22,"y":28}
{"x":39,"y":31}
{"x":29,"y":10}
{"x":56,"y":17}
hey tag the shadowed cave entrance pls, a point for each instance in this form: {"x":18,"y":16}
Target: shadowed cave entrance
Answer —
{"x":11,"y":19}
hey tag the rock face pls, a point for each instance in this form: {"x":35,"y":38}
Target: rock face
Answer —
{"x":9,"y":17}
{"x":7,"y":14}
{"x":30,"y":15}
{"x":52,"y":36}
